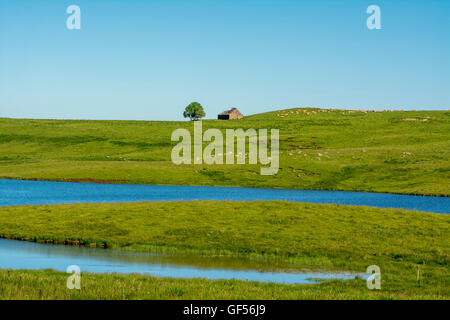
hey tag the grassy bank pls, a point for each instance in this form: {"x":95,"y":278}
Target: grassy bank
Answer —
{"x":396,"y":152}
{"x":323,"y":237}
{"x":41,"y":285}
{"x":347,"y":235}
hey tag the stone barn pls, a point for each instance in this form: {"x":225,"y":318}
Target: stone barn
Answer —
{"x":230,"y":114}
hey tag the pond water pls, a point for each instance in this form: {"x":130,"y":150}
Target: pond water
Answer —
{"x":28,"y":255}
{"x":35,"y":256}
{"x":16,"y":192}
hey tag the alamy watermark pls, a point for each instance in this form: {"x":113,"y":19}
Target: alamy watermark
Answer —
{"x":214,"y":152}
{"x":74,"y":281}
{"x":374,"y":280}
{"x":374,"y":20}
{"x":73,"y":22}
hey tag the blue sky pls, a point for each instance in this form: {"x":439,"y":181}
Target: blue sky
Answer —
{"x":147,"y":60}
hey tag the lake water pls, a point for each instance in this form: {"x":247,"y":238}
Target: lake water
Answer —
{"x":27,"y":255}
{"x":35,"y":256}
{"x":15,"y":192}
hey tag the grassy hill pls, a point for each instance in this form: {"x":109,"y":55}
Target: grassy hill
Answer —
{"x":396,"y":152}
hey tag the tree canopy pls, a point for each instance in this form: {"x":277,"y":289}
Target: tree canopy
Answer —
{"x":194,"y":111}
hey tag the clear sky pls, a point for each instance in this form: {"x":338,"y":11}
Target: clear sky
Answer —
{"x":147,"y":60}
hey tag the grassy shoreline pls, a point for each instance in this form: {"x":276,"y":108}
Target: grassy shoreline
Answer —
{"x":315,"y":237}
{"x":280,"y":228}
{"x":51,"y":285}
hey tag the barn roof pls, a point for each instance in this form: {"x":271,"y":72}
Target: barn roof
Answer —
{"x":227,"y":112}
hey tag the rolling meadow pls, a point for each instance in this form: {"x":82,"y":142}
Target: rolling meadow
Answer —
{"x":320,"y":149}
{"x":390,"y":152}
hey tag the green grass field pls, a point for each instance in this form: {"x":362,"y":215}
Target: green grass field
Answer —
{"x":394,"y":152}
{"x":47,"y":284}
{"x":315,"y":237}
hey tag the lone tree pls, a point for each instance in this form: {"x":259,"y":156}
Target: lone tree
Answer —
{"x":194,"y":111}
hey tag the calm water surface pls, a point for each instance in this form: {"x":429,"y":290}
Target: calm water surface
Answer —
{"x":26,"y":255}
{"x":15,"y":192}
{"x":35,"y":256}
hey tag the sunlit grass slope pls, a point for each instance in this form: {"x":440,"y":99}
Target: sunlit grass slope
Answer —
{"x":397,"y":152}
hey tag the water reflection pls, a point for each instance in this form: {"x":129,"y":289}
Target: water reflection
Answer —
{"x":29,"y":255}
